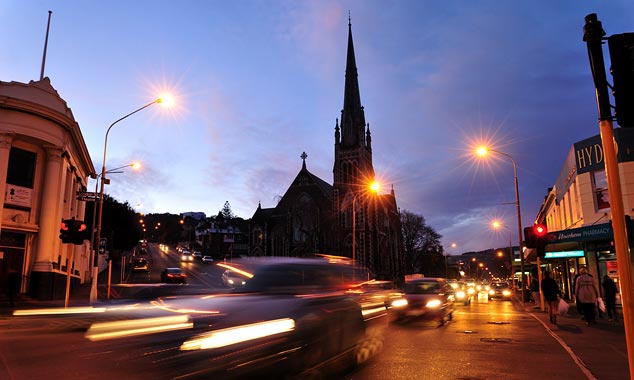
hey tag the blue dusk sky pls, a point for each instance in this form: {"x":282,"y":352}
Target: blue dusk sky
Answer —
{"x":257,"y":83}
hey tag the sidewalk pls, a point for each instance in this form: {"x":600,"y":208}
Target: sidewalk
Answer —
{"x":80,"y":296}
{"x":601,"y":347}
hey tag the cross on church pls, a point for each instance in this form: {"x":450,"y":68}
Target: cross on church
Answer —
{"x":304,"y":156}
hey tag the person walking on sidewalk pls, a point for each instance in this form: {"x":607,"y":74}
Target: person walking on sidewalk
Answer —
{"x":609,"y":293}
{"x":587,"y":295}
{"x":551,"y":292}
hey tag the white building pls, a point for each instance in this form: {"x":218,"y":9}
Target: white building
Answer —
{"x":44,"y":162}
{"x":577,"y":213}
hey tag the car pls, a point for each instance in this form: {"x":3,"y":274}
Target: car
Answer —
{"x":500,"y":290}
{"x":294,"y":318}
{"x":140,"y":265}
{"x":233,"y":279}
{"x":173,"y":275}
{"x":463,"y":294}
{"x":207,"y":259}
{"x":197,"y":255}
{"x":187,"y":256}
{"x":428,"y":298}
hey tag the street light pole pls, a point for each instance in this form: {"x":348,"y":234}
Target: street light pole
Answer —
{"x":95,"y":271}
{"x":482,"y":151}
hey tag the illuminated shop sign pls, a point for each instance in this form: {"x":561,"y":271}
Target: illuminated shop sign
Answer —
{"x":562,"y":254}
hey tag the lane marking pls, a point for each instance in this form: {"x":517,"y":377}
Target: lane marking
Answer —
{"x":563,"y":344}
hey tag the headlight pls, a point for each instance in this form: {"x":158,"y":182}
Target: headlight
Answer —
{"x":461,"y":294}
{"x":471,"y":291}
{"x":433,"y":303}
{"x":491,"y":292}
{"x":239,"y":334}
{"x":454,"y":285}
{"x":506,"y":293}
{"x":399,"y":303}
{"x":479,"y":287}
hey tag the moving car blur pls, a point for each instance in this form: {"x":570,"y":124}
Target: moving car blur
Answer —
{"x":293,"y":318}
{"x":428,"y":298}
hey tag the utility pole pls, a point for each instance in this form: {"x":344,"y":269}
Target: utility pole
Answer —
{"x":593,"y":34}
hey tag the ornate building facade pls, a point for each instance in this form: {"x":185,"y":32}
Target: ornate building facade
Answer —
{"x":44,"y":163}
{"x":346,"y":218}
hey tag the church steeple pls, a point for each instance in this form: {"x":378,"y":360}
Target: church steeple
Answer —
{"x":352,"y":115}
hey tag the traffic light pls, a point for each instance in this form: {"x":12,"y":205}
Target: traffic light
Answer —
{"x":622,"y":59}
{"x":73,"y":231}
{"x":80,"y":232}
{"x":65,"y":231}
{"x":535,"y":236}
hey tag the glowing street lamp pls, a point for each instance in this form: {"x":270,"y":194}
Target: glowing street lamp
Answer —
{"x":483,"y":151}
{"x":165,"y":100}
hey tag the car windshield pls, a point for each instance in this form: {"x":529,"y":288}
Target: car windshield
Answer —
{"x":423,"y":287}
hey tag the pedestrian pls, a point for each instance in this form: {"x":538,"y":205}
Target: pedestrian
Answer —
{"x":587,"y":295}
{"x":534,"y":287}
{"x":551,"y":292}
{"x":609,"y":295}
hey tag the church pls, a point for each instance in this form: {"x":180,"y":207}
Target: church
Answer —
{"x":346,"y":218}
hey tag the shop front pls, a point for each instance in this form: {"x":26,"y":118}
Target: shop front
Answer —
{"x":568,"y":250}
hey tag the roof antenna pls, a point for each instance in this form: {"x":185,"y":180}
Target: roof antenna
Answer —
{"x":45,"y":45}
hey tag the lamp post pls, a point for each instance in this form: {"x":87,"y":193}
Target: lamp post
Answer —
{"x":482,"y":151}
{"x":95,"y":269}
{"x":95,"y":256}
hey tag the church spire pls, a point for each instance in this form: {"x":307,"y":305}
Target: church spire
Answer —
{"x":352,"y":116}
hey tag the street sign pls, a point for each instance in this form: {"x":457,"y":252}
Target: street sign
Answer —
{"x":87,"y":194}
{"x":88,"y":199}
{"x":102,"y":245}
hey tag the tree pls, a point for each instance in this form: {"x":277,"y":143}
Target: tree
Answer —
{"x":421,"y":243}
{"x":119,"y":225}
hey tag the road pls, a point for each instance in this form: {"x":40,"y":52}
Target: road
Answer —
{"x":485,"y":340}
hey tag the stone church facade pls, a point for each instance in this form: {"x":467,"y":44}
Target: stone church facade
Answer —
{"x":316,"y":217}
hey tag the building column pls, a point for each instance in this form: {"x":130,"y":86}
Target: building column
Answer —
{"x":49,"y":209}
{"x":5,"y":149}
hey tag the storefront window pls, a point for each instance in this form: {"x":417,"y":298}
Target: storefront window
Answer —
{"x":601,"y":191}
{"x":21,"y":170}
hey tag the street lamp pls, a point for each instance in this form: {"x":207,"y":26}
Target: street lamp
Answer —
{"x":167,"y":100}
{"x":373,"y":187}
{"x":483,"y":151}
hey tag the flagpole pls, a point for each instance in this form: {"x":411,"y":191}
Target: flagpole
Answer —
{"x":45,"y":45}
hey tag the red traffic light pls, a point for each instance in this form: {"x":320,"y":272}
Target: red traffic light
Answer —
{"x":540,"y":230}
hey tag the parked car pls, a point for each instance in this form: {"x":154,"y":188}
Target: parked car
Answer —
{"x":428,"y":298}
{"x":294,"y":318}
{"x":140,"y":265}
{"x":173,"y":275}
{"x":207,"y":259}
